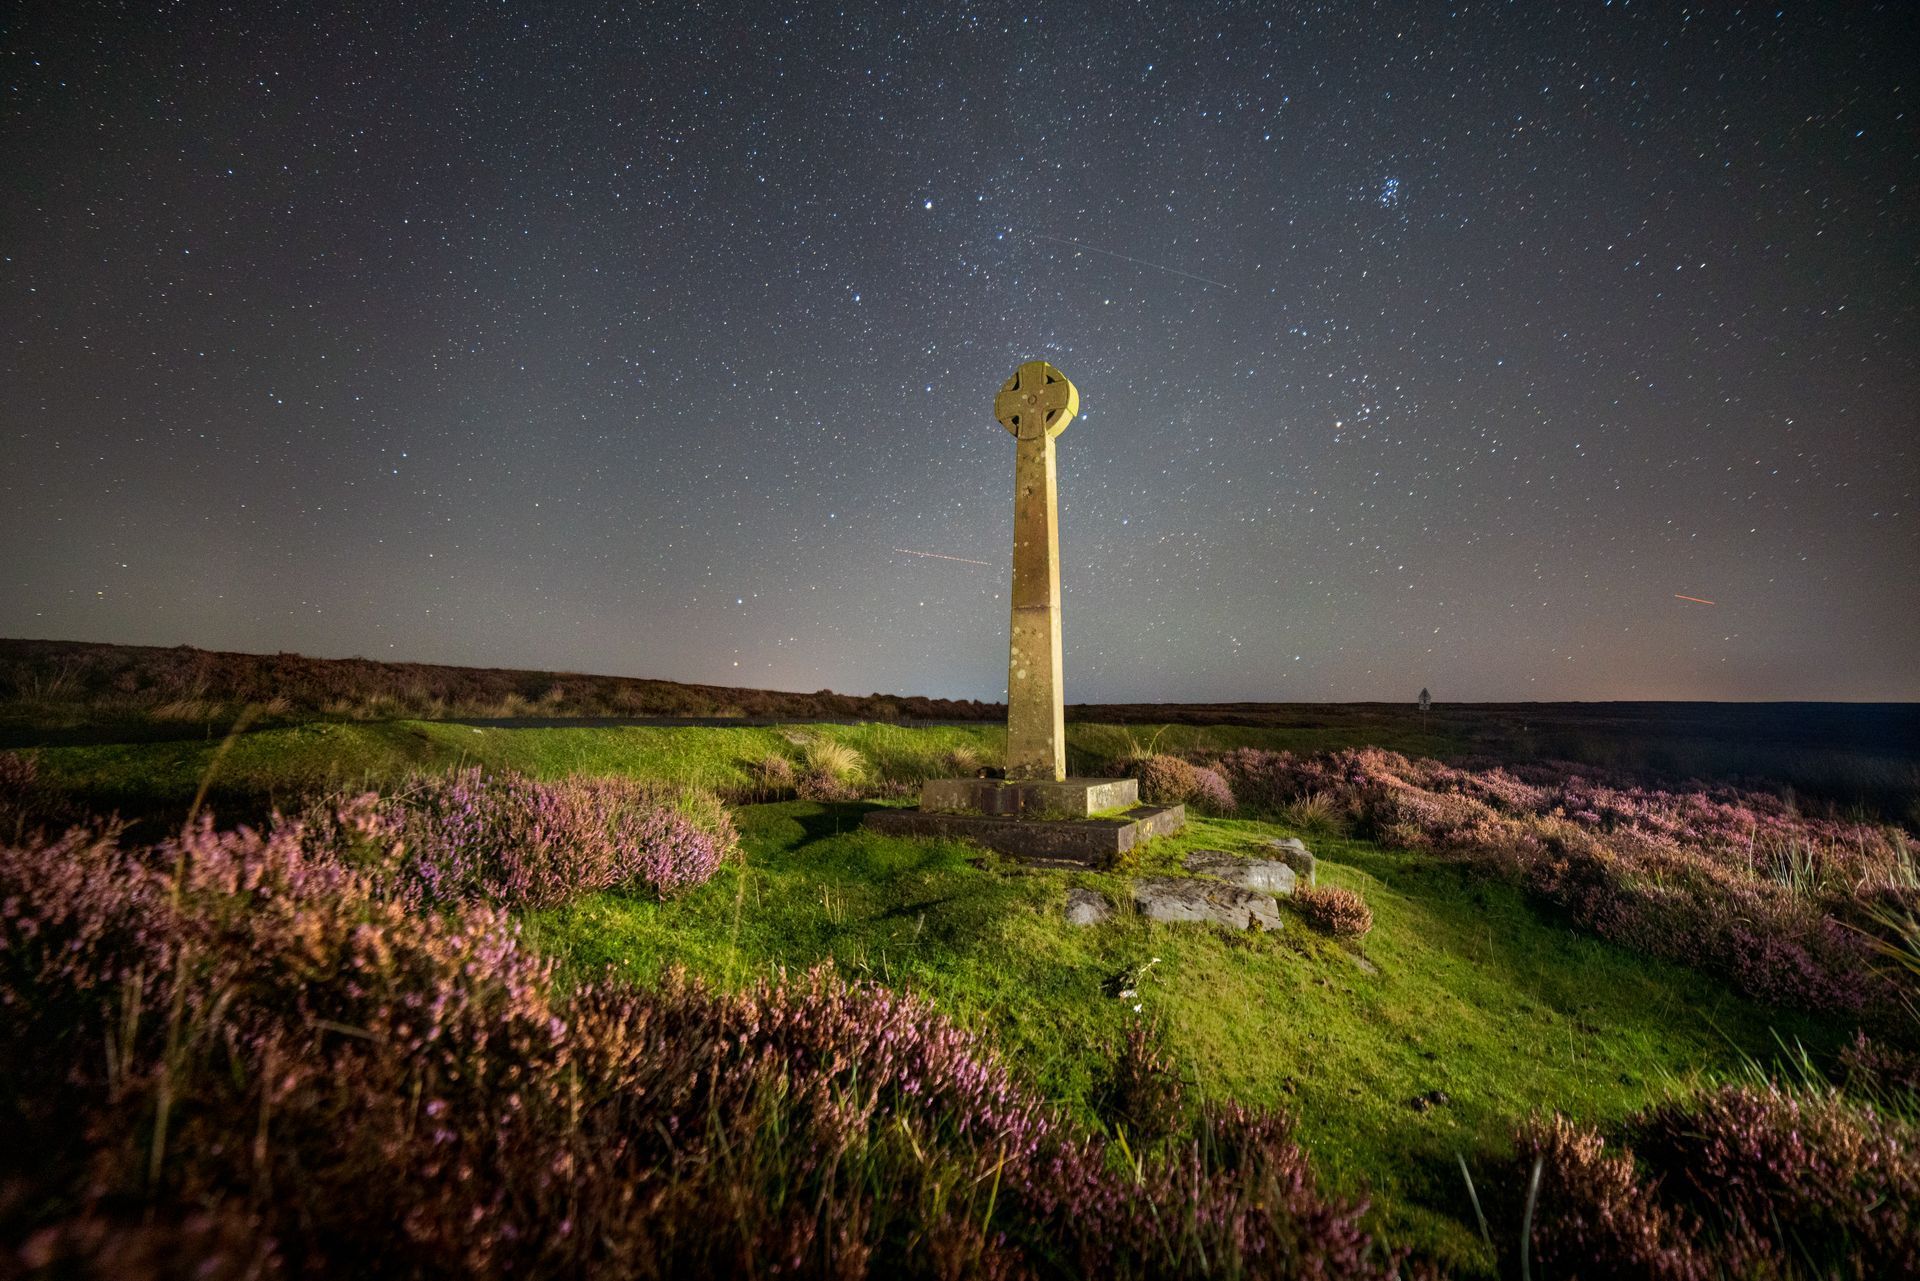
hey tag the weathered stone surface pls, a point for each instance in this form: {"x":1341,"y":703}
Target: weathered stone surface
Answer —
{"x":1294,"y":855}
{"x":1087,"y":907}
{"x":1036,"y":405}
{"x":1270,"y":875}
{"x":1178,"y":898}
{"x":1085,"y":842}
{"x":1039,"y":798}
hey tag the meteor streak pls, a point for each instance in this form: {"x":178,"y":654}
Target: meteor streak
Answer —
{"x":1698,"y":600}
{"x":1139,"y":262}
{"x":908,"y":551}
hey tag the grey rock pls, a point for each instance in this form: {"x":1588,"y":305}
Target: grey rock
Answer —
{"x":1179,"y":898}
{"x":1270,"y":875}
{"x":1088,"y":907}
{"x":1295,"y":855}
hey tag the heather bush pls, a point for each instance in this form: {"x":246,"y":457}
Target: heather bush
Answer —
{"x":516,"y":841}
{"x":1211,"y":795}
{"x":1741,"y":1181}
{"x":1593,"y":1214}
{"x":1337,"y":911}
{"x":1169,"y":780}
{"x":1164,"y":780}
{"x":301,"y":1076}
{"x":1872,"y":1069}
{"x":1734,"y":882}
{"x":825,"y":787}
{"x":1261,"y":781}
{"x":1238,"y":1199}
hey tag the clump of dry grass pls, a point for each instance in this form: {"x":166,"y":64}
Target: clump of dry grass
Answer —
{"x":184,"y":709}
{"x":1315,"y":814}
{"x":833,"y":771}
{"x":828,"y":756}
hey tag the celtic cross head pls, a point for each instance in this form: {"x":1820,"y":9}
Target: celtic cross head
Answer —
{"x":1038,"y":400}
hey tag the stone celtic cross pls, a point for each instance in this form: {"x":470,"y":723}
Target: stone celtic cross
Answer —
{"x":1036,"y":811}
{"x":1036,"y":405}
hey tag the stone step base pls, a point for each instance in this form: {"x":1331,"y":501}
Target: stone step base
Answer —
{"x":1068,"y":843}
{"x":1030,"y":798}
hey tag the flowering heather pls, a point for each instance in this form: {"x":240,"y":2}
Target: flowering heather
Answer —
{"x":1873,"y":1069}
{"x":1338,"y":911}
{"x":826,"y":787}
{"x":1731,"y":881}
{"x":519,"y":842}
{"x":1741,"y":1181}
{"x":235,"y":1054}
{"x":1211,"y":792}
{"x":1168,"y":780}
{"x":1164,"y":780}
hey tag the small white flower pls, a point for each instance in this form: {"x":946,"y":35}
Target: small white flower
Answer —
{"x":1136,"y":1008}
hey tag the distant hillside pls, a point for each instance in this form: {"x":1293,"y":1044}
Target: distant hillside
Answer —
{"x":49,"y":683}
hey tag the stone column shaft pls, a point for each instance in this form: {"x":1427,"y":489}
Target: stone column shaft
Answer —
{"x":1036,"y":709}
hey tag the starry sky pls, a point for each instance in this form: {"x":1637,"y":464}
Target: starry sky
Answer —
{"x":1425,"y":344}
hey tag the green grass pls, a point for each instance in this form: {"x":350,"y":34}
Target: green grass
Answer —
{"x":1461,"y":987}
{"x":278,"y":764}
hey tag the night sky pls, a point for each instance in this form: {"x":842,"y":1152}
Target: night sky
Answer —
{"x":1418,"y":345}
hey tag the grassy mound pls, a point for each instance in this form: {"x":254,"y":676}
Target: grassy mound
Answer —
{"x":1461,"y":988}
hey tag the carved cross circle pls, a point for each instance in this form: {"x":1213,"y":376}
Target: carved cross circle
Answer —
{"x":1038,"y":398}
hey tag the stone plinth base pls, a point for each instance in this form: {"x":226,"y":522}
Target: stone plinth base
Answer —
{"x":1073,"y":798}
{"x":1083,"y":842}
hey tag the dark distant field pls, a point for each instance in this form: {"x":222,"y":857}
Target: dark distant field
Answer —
{"x":52,"y":685}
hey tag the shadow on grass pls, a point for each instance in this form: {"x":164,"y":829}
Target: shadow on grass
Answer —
{"x":834,"y":818}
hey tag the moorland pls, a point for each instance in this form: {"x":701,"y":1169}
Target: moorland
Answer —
{"x":362,"y":967}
